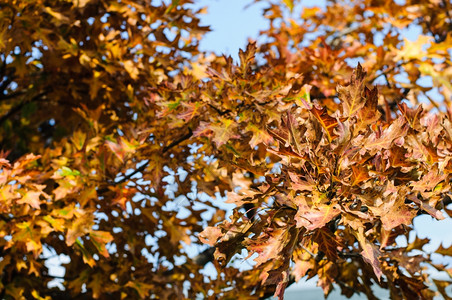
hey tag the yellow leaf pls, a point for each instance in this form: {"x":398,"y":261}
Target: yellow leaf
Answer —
{"x":62,"y":19}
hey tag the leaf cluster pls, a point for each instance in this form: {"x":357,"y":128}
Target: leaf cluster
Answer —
{"x":120,"y":142}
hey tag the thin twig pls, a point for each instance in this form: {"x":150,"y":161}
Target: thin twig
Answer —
{"x":164,"y":150}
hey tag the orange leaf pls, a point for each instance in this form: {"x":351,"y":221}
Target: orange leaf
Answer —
{"x":359,"y":174}
{"x":327,"y":122}
{"x":99,"y":239}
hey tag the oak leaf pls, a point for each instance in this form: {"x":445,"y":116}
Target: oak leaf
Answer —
{"x":370,"y":252}
{"x":316,"y":216}
{"x":352,"y":95}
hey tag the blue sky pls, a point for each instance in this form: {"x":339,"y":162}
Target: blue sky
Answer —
{"x":233,"y":22}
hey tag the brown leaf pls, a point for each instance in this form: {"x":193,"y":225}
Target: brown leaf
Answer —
{"x":260,"y":135}
{"x":369,"y":113}
{"x":299,"y":184}
{"x":417,"y":244}
{"x":429,"y":181}
{"x":303,"y":260}
{"x":396,"y":212}
{"x":370,"y":253}
{"x":192,"y":109}
{"x":210,"y":235}
{"x":327,"y":243}
{"x":444,"y":251}
{"x":442,"y":285}
{"x":270,"y":245}
{"x":351,"y":95}
{"x":221,"y":132}
{"x":384,"y":139}
{"x":99,"y":239}
{"x":314,"y":217}
{"x":247,"y":56}
{"x":398,"y":157}
{"x":412,"y":115}
{"x":31,"y":198}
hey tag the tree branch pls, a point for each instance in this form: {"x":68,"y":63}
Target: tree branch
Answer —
{"x":18,"y":107}
{"x":164,"y":150}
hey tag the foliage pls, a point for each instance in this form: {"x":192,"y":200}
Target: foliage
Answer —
{"x":115,"y":128}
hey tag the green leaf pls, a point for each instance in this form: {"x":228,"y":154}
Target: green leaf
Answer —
{"x":65,"y":171}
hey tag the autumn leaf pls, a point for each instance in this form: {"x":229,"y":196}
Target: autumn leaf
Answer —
{"x":154,"y":170}
{"x":123,"y":148}
{"x":290,"y":4}
{"x":78,"y":227}
{"x":260,"y":135}
{"x":370,"y":253}
{"x":59,"y":17}
{"x":399,"y":157}
{"x":429,"y":181}
{"x":412,"y":115}
{"x":210,"y":235}
{"x":270,"y":245}
{"x":442,"y":285}
{"x":141,"y":288}
{"x":299,"y":184}
{"x":293,"y":134}
{"x":328,"y":123}
{"x":303,"y":261}
{"x":86,"y":255}
{"x":327,"y":243}
{"x":221,"y":132}
{"x":395,"y":211}
{"x":444,"y":251}
{"x":384,"y":139}
{"x":192,"y":109}
{"x":352,"y":95}
{"x":247,"y":56}
{"x":100,"y":239}
{"x":368,"y":114}
{"x":31,"y":198}
{"x":79,"y":139}
{"x":419,"y":150}
{"x":314,"y":217}
{"x":96,"y":283}
{"x":417,"y":243}
{"x":359,"y":174}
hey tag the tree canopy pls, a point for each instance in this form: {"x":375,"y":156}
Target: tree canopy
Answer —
{"x":120,"y":140}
